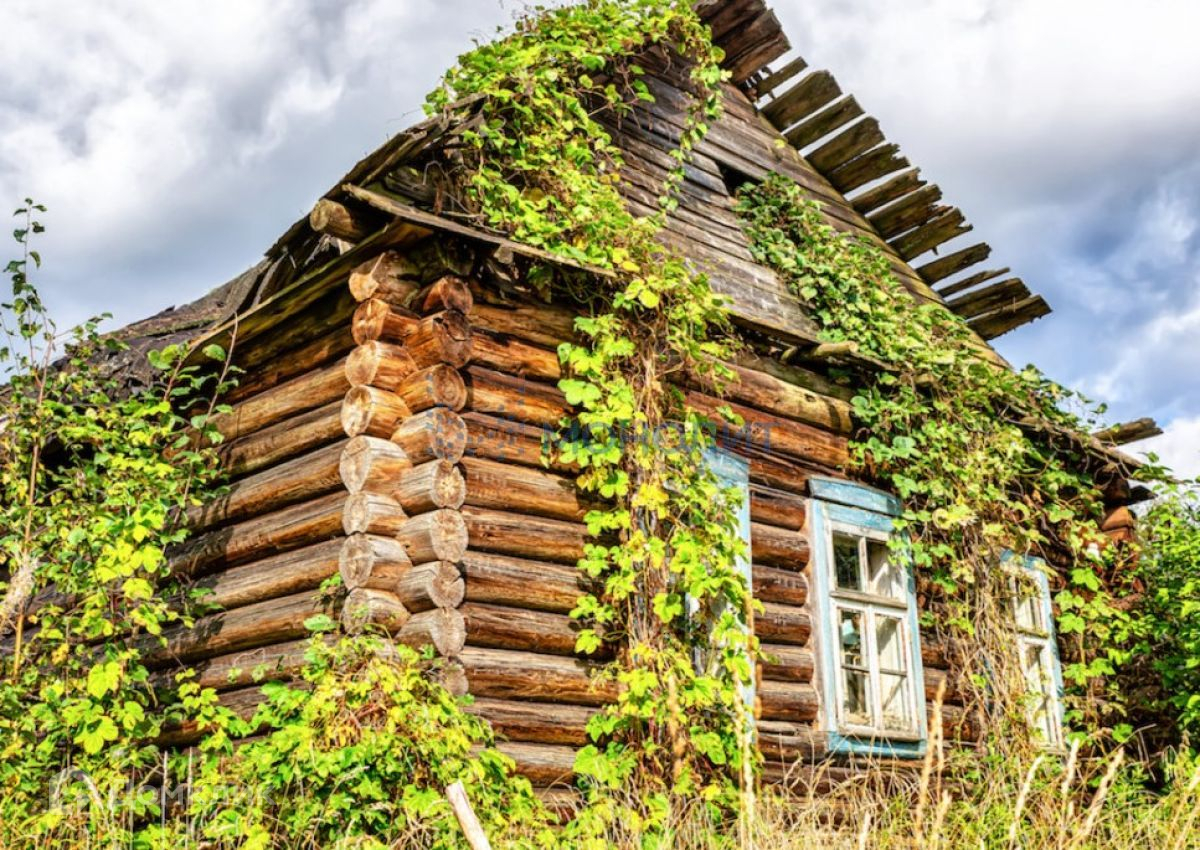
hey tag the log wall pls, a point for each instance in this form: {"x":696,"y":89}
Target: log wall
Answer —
{"x":398,"y":445}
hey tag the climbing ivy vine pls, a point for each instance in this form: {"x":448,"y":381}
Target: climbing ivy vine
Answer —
{"x":543,"y":167}
{"x":980,"y":453}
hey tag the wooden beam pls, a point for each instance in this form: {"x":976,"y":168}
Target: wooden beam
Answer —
{"x":950,"y":264}
{"x":971,"y":282}
{"x":338,"y":220}
{"x":806,"y":97}
{"x":777,"y":78}
{"x":990,"y":298}
{"x":943,"y":228}
{"x":845,"y":146}
{"x":910,"y":211}
{"x":824,"y":122}
{"x":1130,"y":432}
{"x":866,"y":168}
{"x":1002,"y":321}
{"x":890,"y":190}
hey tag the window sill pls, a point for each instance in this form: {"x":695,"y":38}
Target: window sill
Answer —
{"x":899,"y":747}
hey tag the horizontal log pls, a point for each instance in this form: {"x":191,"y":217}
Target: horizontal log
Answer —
{"x":434,"y":434}
{"x":390,"y":277}
{"x":300,"y":479}
{"x":372,"y":412}
{"x":522,"y":490}
{"x":372,"y":513}
{"x":786,"y":587}
{"x":436,"y":536}
{"x":243,"y":702}
{"x":774,"y":434}
{"x":514,"y":357}
{"x":373,"y":465}
{"x":442,"y":628}
{"x":302,"y":393}
{"x":535,"y":722}
{"x":369,"y":608}
{"x":519,"y":583}
{"x":278,"y":531}
{"x":374,"y":562}
{"x":507,"y":674}
{"x":376,"y":320}
{"x":263,"y":623}
{"x":524,"y":536}
{"x":316,"y":337}
{"x":379,"y":364}
{"x":778,"y":547}
{"x":282,"y":441}
{"x":276,"y":662}
{"x":786,"y":743}
{"x":507,"y":441}
{"x":513,"y":398}
{"x":449,"y":292}
{"x":771,"y":394}
{"x":540,"y":324}
{"x":339,"y":221}
{"x":791,"y":701}
{"x":432,"y":485}
{"x":543,"y":765}
{"x":778,"y":507}
{"x":786,"y":663}
{"x":499,"y":627}
{"x":435,"y":386}
{"x":784,"y":624}
{"x":777,"y":473}
{"x":284,"y":574}
{"x":424,"y":587}
{"x":443,"y":337}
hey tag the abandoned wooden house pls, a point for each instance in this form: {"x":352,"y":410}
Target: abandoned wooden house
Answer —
{"x":398,"y":376}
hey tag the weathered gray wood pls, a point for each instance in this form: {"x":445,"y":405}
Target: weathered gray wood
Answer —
{"x":909,"y":212}
{"x":854,"y":141}
{"x":824,"y":122}
{"x":889,"y":190}
{"x":970,"y":282}
{"x":944,"y":227}
{"x":944,"y":267}
{"x":801,"y":100}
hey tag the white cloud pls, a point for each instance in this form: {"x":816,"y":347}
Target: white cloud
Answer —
{"x":174,"y":141}
{"x":1178,"y":447}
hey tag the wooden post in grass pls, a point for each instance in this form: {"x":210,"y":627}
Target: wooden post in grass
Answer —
{"x":472,"y":829}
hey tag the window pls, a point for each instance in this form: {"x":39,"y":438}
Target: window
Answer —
{"x":1033,"y":619}
{"x":869,"y":660}
{"x":734,"y":472}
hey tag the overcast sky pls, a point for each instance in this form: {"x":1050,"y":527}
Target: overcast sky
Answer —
{"x":173,"y":142}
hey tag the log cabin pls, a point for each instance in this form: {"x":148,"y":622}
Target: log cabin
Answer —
{"x":398,"y":375}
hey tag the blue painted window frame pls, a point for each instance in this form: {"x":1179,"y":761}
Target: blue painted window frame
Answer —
{"x":734,"y":472}
{"x":1037,"y":569}
{"x":842,"y":503}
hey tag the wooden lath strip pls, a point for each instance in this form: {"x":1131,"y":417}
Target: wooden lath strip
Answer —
{"x":888,"y":191}
{"x":952,"y":264}
{"x":824,"y":122}
{"x":867,"y":168}
{"x":806,"y":97}
{"x":971,"y":282}
{"x":910,"y":211}
{"x":847,"y":145}
{"x":777,"y":78}
{"x":990,"y":298}
{"x":1129,"y":432}
{"x":1002,"y":321}
{"x":949,"y":225}
{"x":755,"y":45}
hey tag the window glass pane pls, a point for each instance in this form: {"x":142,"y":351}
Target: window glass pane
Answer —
{"x":887,"y":578}
{"x":889,"y":643}
{"x":857,"y":698}
{"x":1037,"y":670}
{"x":847,"y":570}
{"x":851,"y":631}
{"x":1029,"y":609}
{"x":897,"y":715}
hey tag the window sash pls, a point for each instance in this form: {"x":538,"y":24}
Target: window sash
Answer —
{"x":1048,"y":691}
{"x":829,"y":600}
